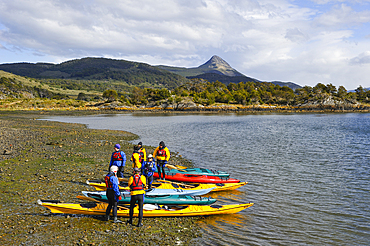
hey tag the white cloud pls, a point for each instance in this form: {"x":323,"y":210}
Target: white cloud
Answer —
{"x":361,"y":59}
{"x":265,"y":39}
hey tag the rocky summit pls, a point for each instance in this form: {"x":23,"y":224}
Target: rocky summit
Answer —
{"x":218,"y":65}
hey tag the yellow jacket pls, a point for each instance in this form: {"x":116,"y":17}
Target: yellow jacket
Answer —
{"x":137,"y":192}
{"x":135,"y":158}
{"x":166,"y":156}
{"x":144,"y":153}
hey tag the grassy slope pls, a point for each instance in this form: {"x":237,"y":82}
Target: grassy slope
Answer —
{"x":34,"y":82}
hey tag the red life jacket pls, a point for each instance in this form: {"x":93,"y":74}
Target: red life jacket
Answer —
{"x":108,"y":183}
{"x":117,"y":156}
{"x":161,"y":152}
{"x":137,"y":184}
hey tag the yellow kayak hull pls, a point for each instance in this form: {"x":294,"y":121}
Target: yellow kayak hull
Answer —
{"x":217,"y":187}
{"x":178,"y":211}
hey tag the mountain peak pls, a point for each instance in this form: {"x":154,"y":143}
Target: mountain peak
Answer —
{"x":218,"y":65}
{"x":216,"y":62}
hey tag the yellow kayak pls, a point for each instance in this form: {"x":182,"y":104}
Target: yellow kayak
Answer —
{"x":149,"y":211}
{"x":217,"y":187}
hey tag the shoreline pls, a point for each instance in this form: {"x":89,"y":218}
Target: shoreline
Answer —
{"x":252,"y":110}
{"x":52,"y":160}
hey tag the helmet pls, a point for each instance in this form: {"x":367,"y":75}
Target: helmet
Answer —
{"x":114,"y":169}
{"x":117,"y":146}
{"x":150,"y":156}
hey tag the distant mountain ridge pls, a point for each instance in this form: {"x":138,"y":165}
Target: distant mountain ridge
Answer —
{"x":215,"y":65}
{"x":134,"y":73}
{"x":217,"y":69}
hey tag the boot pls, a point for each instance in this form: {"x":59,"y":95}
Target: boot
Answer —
{"x":139,"y":224}
{"x":129,"y":222}
{"x":106,"y":218}
{"x":116,"y":220}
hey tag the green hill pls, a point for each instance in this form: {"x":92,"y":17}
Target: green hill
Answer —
{"x":14,"y":86}
{"x":103,"y":69}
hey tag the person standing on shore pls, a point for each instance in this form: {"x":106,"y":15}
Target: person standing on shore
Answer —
{"x":137,"y":184}
{"x":113,"y":193}
{"x":148,"y":168}
{"x":118,"y":159}
{"x":136,"y":158}
{"x":163,"y":155}
{"x":142,"y":152}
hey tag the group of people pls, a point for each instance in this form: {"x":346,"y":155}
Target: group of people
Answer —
{"x":143,"y":169}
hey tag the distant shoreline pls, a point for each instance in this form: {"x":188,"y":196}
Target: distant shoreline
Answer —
{"x":114,"y":107}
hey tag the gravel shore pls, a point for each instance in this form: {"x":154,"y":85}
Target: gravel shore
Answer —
{"x":53,"y":160}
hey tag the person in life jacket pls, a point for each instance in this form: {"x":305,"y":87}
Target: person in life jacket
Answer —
{"x":118,"y":159}
{"x":147,"y":169}
{"x":163,"y":155}
{"x":142,"y":152}
{"x":137,"y":184}
{"x":113,"y":193}
{"x":136,"y":158}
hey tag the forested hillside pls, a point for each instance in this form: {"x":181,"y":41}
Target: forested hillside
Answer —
{"x":98,"y":69}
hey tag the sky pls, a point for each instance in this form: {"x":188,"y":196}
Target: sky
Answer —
{"x":305,"y":42}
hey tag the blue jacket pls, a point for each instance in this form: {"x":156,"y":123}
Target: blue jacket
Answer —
{"x":114,"y":182}
{"x":148,"y":168}
{"x":114,"y":162}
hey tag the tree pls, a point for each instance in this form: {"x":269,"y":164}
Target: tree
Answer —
{"x":342,"y":92}
{"x":239,"y":97}
{"x":331,"y":89}
{"x":360,"y":93}
{"x":319,"y":88}
{"x":83,"y":96}
{"x":111,"y":95}
{"x":136,"y":95}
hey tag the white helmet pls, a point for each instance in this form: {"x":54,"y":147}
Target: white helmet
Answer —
{"x":150,"y":156}
{"x":114,"y":169}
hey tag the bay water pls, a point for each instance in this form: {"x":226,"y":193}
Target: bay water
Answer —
{"x":308,"y":174}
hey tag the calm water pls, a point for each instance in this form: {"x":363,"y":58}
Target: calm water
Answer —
{"x":308,"y":174}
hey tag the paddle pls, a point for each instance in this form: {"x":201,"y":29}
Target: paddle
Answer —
{"x":174,"y":167}
{"x":166,"y":181}
{"x":94,"y":200}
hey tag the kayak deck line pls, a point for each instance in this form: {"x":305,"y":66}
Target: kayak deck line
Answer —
{"x":153,"y":211}
{"x":100,"y":186}
{"x":100,"y":196}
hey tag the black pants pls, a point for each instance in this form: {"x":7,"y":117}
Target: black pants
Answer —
{"x":140,"y":200}
{"x":160,"y":165}
{"x":120,"y":172}
{"x":112,"y":203}
{"x":149,"y":181}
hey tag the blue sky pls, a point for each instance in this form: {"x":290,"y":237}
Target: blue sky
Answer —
{"x":305,"y":42}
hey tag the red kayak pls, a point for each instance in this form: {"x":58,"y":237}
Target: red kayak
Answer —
{"x":194,"y":178}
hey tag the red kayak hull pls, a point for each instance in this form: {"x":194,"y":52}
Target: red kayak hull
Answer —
{"x":193,"y":178}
